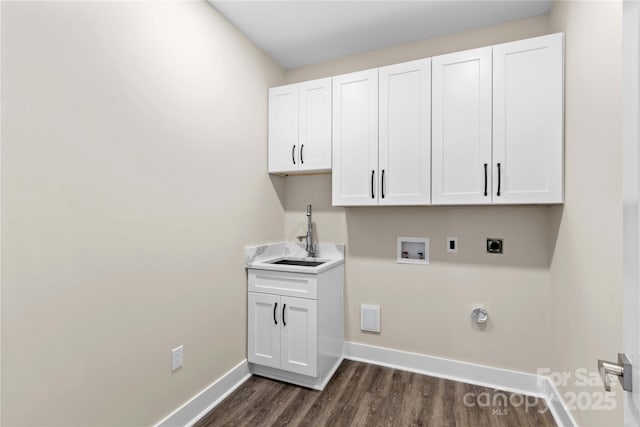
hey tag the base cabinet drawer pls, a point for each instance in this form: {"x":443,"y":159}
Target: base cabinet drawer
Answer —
{"x":284,"y":283}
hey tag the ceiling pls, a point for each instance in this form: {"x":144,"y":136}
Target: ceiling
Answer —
{"x":296,"y":33}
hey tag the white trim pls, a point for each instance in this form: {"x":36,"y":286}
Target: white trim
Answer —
{"x":317,"y":383}
{"x":470,"y":373}
{"x":556,"y":405}
{"x":207,"y":399}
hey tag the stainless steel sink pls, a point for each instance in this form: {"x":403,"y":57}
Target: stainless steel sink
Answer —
{"x":299,"y":262}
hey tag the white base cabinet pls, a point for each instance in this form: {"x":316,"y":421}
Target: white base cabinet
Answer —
{"x":295,"y":325}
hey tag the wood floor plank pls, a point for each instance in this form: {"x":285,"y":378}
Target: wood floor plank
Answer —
{"x":361,"y":394}
{"x":352,"y":396}
{"x":297,"y":409}
{"x":326,"y":403}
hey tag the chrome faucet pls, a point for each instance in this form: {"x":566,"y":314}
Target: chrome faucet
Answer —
{"x":310,"y":246}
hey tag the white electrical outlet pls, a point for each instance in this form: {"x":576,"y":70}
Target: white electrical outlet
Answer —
{"x":177,"y":358}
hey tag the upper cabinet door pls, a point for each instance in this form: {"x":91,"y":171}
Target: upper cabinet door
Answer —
{"x":314,"y":140}
{"x":528,"y":121}
{"x":461,"y":139}
{"x":283,"y":129}
{"x":405,"y":133}
{"x":355,"y":139}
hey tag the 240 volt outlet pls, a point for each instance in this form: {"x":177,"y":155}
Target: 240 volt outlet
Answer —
{"x":494,"y":246}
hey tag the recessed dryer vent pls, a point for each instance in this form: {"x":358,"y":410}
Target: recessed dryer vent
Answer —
{"x":413,"y":250}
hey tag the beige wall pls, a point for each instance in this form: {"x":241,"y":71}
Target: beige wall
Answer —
{"x":426,"y":309}
{"x":132,"y":178}
{"x":133,"y":173}
{"x":586,"y":269}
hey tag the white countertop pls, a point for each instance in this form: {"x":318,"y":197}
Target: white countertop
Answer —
{"x":261,"y":257}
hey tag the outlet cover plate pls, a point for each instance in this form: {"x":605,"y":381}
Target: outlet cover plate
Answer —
{"x":370,"y":318}
{"x":177,"y":358}
{"x":452,"y":244}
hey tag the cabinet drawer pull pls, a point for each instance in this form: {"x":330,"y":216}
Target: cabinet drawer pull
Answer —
{"x":274,"y":313}
{"x":485,"y":179}
{"x":301,"y":151}
{"x":499,"y":180}
{"x":373,"y":196}
{"x":382,"y":185}
{"x":284,"y":321}
{"x":293,"y":154}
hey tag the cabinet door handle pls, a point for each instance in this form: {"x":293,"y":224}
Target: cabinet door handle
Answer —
{"x":293,"y":154}
{"x":373,"y":196}
{"x":499,"y":180}
{"x":284,"y":321}
{"x":485,"y":179}
{"x":274,"y":313}
{"x":382,"y":185}
{"x":301,"y":151}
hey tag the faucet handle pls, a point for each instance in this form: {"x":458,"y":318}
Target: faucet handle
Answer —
{"x":301,"y":238}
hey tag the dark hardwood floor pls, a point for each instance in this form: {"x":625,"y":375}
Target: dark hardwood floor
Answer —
{"x":360,"y":394}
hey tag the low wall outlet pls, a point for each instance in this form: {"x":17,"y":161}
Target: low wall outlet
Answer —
{"x":370,"y":318}
{"x":177,"y":358}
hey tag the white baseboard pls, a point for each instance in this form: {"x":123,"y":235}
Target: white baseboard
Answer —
{"x":200,"y":404}
{"x":500,"y":379}
{"x":556,"y":405}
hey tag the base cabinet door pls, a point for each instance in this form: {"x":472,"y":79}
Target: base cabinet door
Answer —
{"x":299,"y":336}
{"x":264,"y":329}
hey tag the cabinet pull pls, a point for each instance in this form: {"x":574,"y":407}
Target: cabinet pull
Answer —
{"x":284,"y":321}
{"x":382,"y":185}
{"x":373,"y":196}
{"x":274,"y":313}
{"x":301,"y":151}
{"x":499,"y":179}
{"x":485,"y":179}
{"x":293,"y":154}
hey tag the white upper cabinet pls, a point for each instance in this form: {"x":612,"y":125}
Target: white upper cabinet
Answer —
{"x":315,"y":125}
{"x":528,"y":121}
{"x":300,"y":127}
{"x":482,"y":126}
{"x":404,"y":161}
{"x":355,"y":139}
{"x":283,"y":128}
{"x":461,"y":129}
